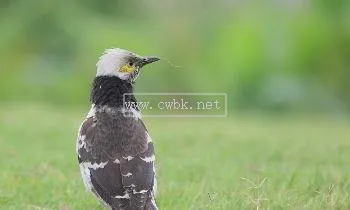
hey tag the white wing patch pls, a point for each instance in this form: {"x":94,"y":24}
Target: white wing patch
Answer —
{"x":127,"y":175}
{"x":148,"y":159}
{"x":94,"y":165}
{"x":129,"y":158}
{"x":140,"y":192}
{"x":126,"y":195}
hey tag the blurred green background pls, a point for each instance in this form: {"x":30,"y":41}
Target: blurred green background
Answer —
{"x":285,"y":56}
{"x":285,"y":65}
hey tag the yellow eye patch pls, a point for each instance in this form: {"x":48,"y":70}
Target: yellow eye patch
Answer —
{"x":127,"y":68}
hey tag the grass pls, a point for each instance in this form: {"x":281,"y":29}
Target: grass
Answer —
{"x":243,"y":162}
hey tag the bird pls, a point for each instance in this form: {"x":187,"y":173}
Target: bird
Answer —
{"x":114,"y":148}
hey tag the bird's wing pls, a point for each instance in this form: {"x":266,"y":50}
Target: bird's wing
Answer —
{"x":100,"y":172}
{"x":138,"y":177}
{"x":117,"y":157}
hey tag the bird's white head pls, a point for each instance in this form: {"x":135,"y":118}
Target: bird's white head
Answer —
{"x":122,"y":63}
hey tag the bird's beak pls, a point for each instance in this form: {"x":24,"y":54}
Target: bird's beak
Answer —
{"x":147,"y":60}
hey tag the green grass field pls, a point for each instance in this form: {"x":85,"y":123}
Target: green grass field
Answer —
{"x":241,"y":162}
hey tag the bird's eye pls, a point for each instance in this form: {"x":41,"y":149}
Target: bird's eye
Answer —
{"x":128,"y":68}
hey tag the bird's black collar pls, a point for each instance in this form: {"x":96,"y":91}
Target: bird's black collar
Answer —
{"x":110,"y":90}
